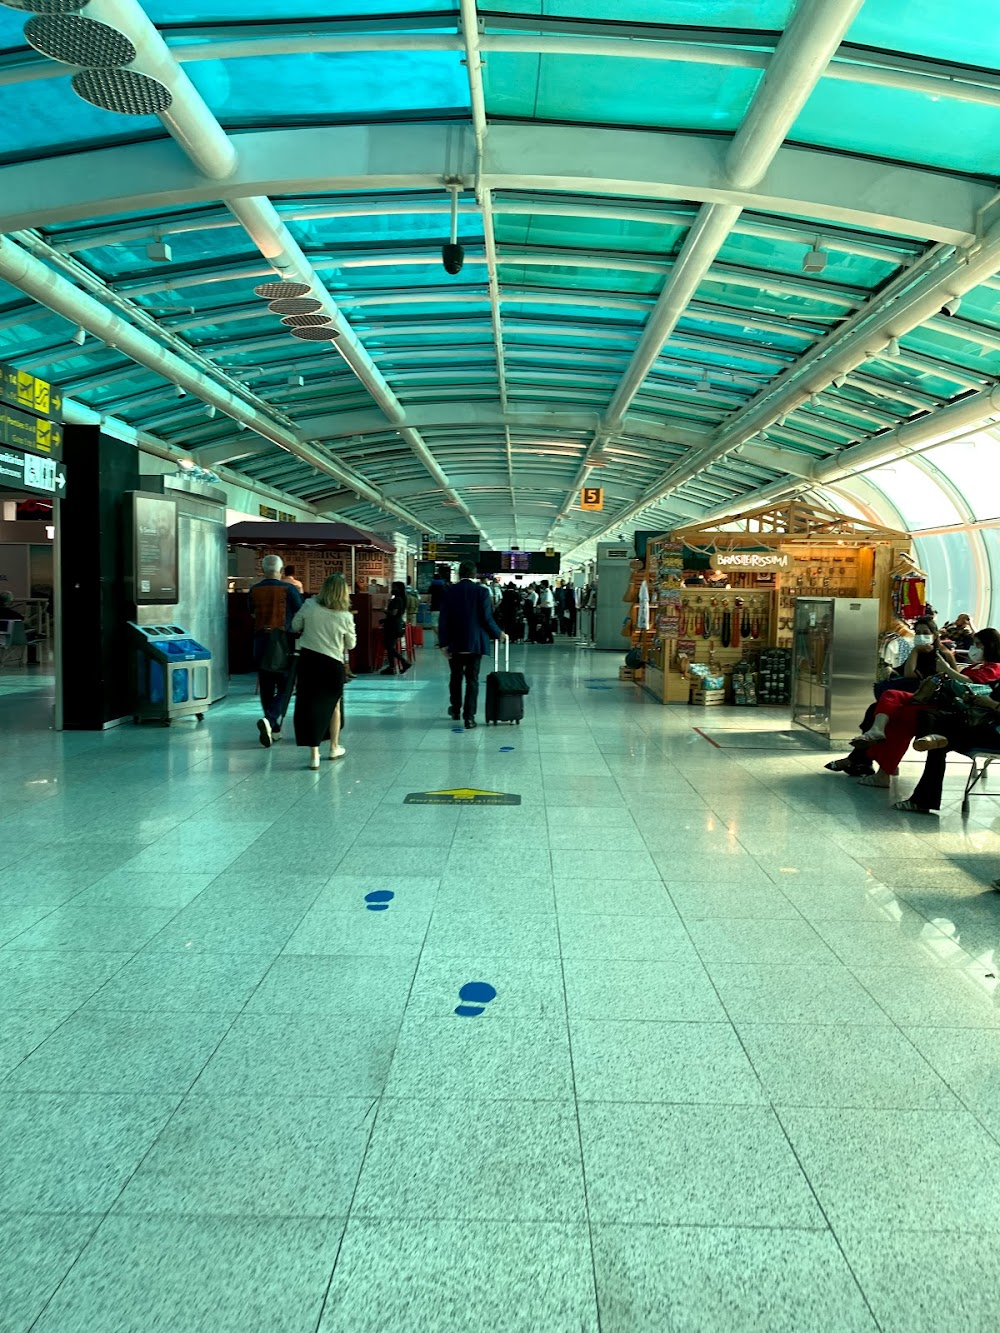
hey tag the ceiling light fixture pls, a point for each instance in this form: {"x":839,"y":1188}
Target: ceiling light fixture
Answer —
{"x":210,"y":411}
{"x":892,"y":347}
{"x":814,"y":259}
{"x":453,"y":254}
{"x":181,"y":393}
{"x":159,"y":252}
{"x":273,"y":291}
{"x":951,"y":307}
{"x":840,"y":380}
{"x":79,"y":335}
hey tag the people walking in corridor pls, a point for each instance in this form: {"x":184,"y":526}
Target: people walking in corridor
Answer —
{"x":465,"y":632}
{"x":326,"y":626}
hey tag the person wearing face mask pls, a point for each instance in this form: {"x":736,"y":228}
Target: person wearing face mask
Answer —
{"x":919,"y":664}
{"x":898,"y":717}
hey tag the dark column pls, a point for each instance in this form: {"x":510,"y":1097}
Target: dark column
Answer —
{"x":95,"y":607}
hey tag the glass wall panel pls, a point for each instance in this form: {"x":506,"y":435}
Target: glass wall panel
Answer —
{"x":971,"y":467}
{"x":917,"y":496}
{"x":952,"y":585}
{"x":991,"y":540}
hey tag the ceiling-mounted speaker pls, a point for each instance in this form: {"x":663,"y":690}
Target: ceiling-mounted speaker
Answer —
{"x":272,"y":291}
{"x":295,"y":305}
{"x":123,"y":90}
{"x":74,"y":40}
{"x":316,"y":335}
{"x":306,"y":321}
{"x":452,"y":257}
{"x":46,"y":6}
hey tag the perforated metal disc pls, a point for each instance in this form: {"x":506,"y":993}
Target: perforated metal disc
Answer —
{"x":122,"y":90}
{"x":306,"y":321}
{"x":46,"y":6}
{"x":271,"y":291}
{"x":75,"y":40}
{"x":324,"y":335}
{"x":296,"y":305}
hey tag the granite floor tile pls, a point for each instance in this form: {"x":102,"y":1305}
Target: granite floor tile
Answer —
{"x":497,"y":894}
{"x":651,"y":991}
{"x":728,"y":940}
{"x":221,"y":928}
{"x":27,"y":888}
{"x":923,"y":1281}
{"x":254,"y":1157}
{"x":22,"y":1030}
{"x":344,"y":892}
{"x":516,"y":1059}
{"x":72,"y":1153}
{"x":909,"y":941}
{"x":121,"y":889}
{"x":794,"y":993}
{"x":896,"y":1168}
{"x":640,"y":896}
{"x":802,"y":1065}
{"x":454,"y":934}
{"x":358,"y":932}
{"x":968,"y":1059}
{"x":334,"y":984}
{"x":183,"y":981}
{"x":103,"y":1051}
{"x":929,"y":996}
{"x":662,"y":1062}
{"x":638,"y":938}
{"x":61,"y":980}
{"x":473,"y":1159}
{"x":227,"y":1274}
{"x":692,"y":1165}
{"x":36,"y":1252}
{"x":695,"y":1280}
{"x":699,"y":902}
{"x":87,"y":929}
{"x":295,"y":1055}
{"x":431,"y":1276}
{"x":525,"y":987}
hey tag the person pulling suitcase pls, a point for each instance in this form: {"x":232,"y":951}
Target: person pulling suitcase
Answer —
{"x":465,"y":629}
{"x":505,"y":690}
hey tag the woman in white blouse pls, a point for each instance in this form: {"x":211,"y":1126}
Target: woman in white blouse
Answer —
{"x":326,"y":626}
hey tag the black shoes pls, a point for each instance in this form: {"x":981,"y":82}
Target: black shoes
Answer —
{"x":470,"y":722}
{"x":454,"y":714}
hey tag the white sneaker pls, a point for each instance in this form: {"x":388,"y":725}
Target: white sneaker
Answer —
{"x":336,"y":752}
{"x":264,"y":732}
{"x":314,"y":760}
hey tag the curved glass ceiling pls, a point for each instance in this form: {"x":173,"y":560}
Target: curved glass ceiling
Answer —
{"x":685,"y":280}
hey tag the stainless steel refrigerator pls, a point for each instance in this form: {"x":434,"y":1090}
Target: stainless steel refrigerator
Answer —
{"x":834,"y":657}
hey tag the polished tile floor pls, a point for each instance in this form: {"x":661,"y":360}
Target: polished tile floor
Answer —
{"x":741,"y":1070}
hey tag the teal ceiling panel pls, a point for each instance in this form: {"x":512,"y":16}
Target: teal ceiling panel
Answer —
{"x":759,"y":14}
{"x":935,"y":28}
{"x":45,"y":117}
{"x":662,"y":94}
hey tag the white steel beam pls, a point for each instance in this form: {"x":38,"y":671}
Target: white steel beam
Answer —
{"x":805,"y":48}
{"x":571,"y":159}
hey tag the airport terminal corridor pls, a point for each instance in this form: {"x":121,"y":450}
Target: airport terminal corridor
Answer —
{"x":697,"y":1036}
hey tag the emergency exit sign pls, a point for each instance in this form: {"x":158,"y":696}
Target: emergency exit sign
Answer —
{"x":592,"y":498}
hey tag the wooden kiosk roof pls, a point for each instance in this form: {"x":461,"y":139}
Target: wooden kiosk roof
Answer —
{"x":790,"y":524}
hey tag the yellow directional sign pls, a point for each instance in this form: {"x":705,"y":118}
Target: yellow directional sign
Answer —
{"x":592,"y":498}
{"x":462,"y":796}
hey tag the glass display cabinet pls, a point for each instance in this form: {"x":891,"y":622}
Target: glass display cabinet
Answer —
{"x":834,"y":656}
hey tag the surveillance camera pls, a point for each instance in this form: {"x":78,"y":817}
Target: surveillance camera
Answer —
{"x":452,"y":257}
{"x":951,"y":307}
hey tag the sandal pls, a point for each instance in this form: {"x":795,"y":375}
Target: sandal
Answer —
{"x":933,"y":742}
{"x":840,"y":765}
{"x":912,"y":808}
{"x":874,"y":780}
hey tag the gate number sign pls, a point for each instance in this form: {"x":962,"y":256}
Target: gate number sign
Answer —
{"x":592,"y":498}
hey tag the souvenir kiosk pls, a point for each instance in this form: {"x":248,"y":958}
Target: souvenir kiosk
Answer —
{"x":317,"y":550}
{"x":716,"y":622}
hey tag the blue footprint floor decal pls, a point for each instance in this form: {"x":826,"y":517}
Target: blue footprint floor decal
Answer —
{"x":379,"y":900}
{"x":476,"y":996}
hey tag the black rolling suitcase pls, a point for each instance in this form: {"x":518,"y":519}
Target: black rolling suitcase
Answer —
{"x":505,"y":691}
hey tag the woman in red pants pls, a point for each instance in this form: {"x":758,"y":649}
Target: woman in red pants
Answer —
{"x":896,"y":719}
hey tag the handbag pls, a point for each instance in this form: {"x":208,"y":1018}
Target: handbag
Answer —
{"x":277,"y":655}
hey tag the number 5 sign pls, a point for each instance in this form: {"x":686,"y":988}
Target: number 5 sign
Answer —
{"x":592,"y":498}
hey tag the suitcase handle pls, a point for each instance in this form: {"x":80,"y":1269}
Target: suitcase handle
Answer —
{"x":506,"y":654}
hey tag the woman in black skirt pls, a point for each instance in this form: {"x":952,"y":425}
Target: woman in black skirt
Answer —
{"x":326,"y":626}
{"x":393,"y":629}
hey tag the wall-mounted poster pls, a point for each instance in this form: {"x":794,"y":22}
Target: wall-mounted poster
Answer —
{"x":154,"y":549}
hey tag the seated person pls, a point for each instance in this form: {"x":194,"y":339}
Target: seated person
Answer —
{"x":897,"y":713}
{"x":920,"y":663}
{"x":960,"y":631}
{"x":974,"y":726}
{"x":8,"y":611}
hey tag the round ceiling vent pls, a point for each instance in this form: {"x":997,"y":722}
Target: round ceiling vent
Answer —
{"x":296,"y":305}
{"x":272,"y":291}
{"x":74,"y":40}
{"x":315,"y":335}
{"x":306,"y":321}
{"x":46,"y":6}
{"x":122,"y":90}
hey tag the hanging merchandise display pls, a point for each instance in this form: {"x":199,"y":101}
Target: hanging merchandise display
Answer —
{"x":643,"y":617}
{"x":737,"y":622}
{"x":909,"y":595}
{"x":726,"y":629}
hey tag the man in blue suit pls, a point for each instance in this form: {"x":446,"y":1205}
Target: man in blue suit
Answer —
{"x":465,"y":631}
